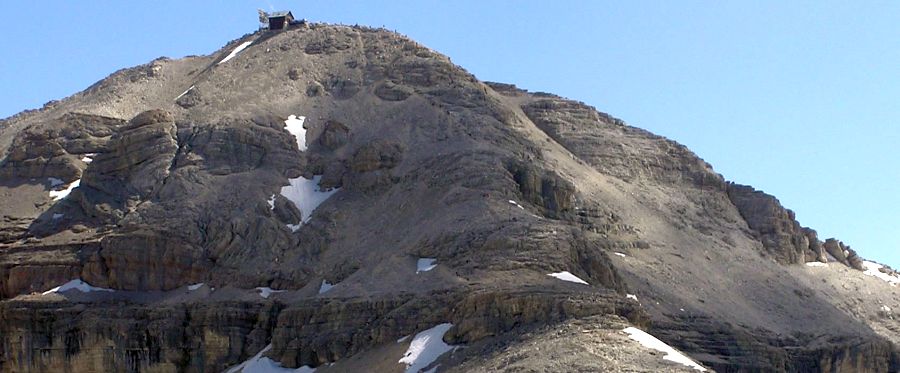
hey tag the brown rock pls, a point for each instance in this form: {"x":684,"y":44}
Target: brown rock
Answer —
{"x":548,"y":190}
{"x":138,"y":159}
{"x":391,"y":92}
{"x":781,"y":235}
{"x":294,"y":74}
{"x":376,"y":155}
{"x":334,"y":135}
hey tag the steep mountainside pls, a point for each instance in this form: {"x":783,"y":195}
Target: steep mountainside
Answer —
{"x":345,"y":199}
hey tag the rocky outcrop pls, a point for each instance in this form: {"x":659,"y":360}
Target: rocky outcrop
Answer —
{"x":60,"y":336}
{"x":334,"y":135}
{"x":843,"y":254}
{"x":616,"y":149}
{"x":376,"y":156}
{"x":54,"y":335}
{"x":782,"y":236}
{"x":815,"y":246}
{"x":190,"y":98}
{"x":56,"y":149}
{"x":391,"y":92}
{"x":149,"y":209}
{"x":555,"y":195}
{"x":755,"y":351}
{"x":36,"y":268}
{"x":775,"y":226}
{"x":138,"y":160}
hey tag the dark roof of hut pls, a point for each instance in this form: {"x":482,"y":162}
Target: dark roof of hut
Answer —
{"x":281,"y":13}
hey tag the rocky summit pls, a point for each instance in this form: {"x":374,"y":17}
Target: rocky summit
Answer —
{"x":344,"y":199}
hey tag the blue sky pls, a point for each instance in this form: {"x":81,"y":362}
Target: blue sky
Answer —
{"x":800,"y":98}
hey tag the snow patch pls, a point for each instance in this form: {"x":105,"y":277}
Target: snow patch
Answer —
{"x":88,"y":158}
{"x":566,"y":276}
{"x":873,"y":269}
{"x":631,"y":296}
{"x":516,"y":204}
{"x":235,"y":52}
{"x":886,"y":309}
{"x":267,"y":291}
{"x":403,"y":339}
{"x":294,"y":125}
{"x":425,"y":264}
{"x":306,"y":195}
{"x":816,"y":264}
{"x":79,"y":285}
{"x":195,"y":286}
{"x":188,"y":90}
{"x":620,"y":254}
{"x":262,"y":364}
{"x":426,"y":347}
{"x":672,"y":354}
{"x":271,"y":202}
{"x":325,"y":287}
{"x":60,"y":194}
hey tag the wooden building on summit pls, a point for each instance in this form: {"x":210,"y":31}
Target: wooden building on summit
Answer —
{"x":280,"y":20}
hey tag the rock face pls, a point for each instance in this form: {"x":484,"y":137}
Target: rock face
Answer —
{"x":138,"y":158}
{"x":843,"y":254}
{"x":777,"y":228}
{"x":57,"y":148}
{"x":410,"y":195}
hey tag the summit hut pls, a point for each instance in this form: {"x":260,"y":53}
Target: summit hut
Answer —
{"x":280,"y":20}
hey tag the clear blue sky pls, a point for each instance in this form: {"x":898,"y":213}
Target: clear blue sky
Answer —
{"x":797,"y":98}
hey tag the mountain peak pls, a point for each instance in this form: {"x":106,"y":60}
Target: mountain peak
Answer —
{"x":334,"y":194}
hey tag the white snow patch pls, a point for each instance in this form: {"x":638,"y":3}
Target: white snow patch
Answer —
{"x":195,"y":286}
{"x":516,"y":204}
{"x":88,"y":158}
{"x":403,"y":339}
{"x":631,"y":296}
{"x":235,"y":52}
{"x":306,"y":195}
{"x":271,"y":202}
{"x":325,"y":287}
{"x":425,"y":264}
{"x":55,"y":182}
{"x":60,"y":194}
{"x":294,"y":125}
{"x":620,"y":254}
{"x":267,"y":291}
{"x":566,"y":276}
{"x":57,"y":216}
{"x":77,"y":284}
{"x":262,"y":364}
{"x":672,"y":354}
{"x":816,"y":264}
{"x":872,"y":269}
{"x":425,"y":348}
{"x":886,"y":308}
{"x":188,"y":90}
